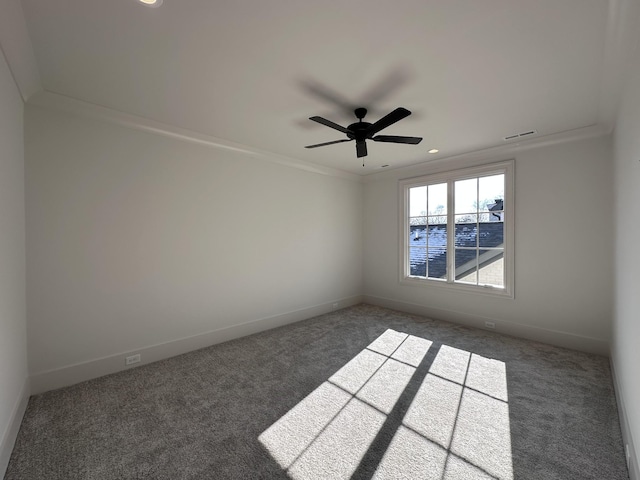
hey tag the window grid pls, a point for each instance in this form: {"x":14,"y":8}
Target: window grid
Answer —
{"x":478,"y":214}
{"x":478,"y":218}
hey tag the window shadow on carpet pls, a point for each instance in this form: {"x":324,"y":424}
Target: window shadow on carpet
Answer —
{"x":404,"y":407}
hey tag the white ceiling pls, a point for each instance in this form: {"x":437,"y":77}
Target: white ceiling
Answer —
{"x":251,"y":72}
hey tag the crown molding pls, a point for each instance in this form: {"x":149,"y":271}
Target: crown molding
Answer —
{"x":62,"y":103}
{"x":17,"y":49}
{"x":53,"y":101}
{"x":498,"y":152}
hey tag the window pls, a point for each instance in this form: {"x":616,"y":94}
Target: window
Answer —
{"x":457,"y":229}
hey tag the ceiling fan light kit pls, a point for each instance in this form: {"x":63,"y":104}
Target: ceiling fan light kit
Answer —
{"x":361,"y":131}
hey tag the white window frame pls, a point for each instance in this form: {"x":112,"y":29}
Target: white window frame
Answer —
{"x":450,"y":177}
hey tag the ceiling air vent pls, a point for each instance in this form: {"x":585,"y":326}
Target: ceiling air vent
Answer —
{"x":520,"y":135}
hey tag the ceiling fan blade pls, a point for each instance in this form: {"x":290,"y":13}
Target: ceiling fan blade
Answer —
{"x":389,"y":119}
{"x":361,"y":149}
{"x":392,"y":81}
{"x":326,"y":94}
{"x":328,"y":143}
{"x":329,"y":123}
{"x":397,"y":139}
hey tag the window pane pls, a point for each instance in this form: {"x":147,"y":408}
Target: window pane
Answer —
{"x":437,"y":220}
{"x":466,"y":265}
{"x":438,"y":199}
{"x":491,"y":268}
{"x":417,"y":201}
{"x":466,"y":196}
{"x":437,"y":262}
{"x":491,"y":234}
{"x":468,"y":218}
{"x":418,"y":235}
{"x":437,"y":236}
{"x":466,"y":234}
{"x":491,"y":192}
{"x":496,"y":215}
{"x":470,"y":277}
{"x":418,"y":261}
{"x":417,"y":221}
{"x":484,"y":217}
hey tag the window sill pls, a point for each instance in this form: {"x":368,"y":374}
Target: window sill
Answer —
{"x":487,"y":290}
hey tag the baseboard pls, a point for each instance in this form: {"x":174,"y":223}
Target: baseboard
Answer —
{"x":627,"y":439}
{"x":11,"y":433}
{"x":551,"y":337}
{"x":80,"y":372}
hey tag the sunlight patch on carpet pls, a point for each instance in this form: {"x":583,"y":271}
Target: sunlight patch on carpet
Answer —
{"x":461,"y":408}
{"x":456,"y":426}
{"x":400,"y":460}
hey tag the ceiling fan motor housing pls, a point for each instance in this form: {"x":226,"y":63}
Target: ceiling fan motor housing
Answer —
{"x":358,"y":130}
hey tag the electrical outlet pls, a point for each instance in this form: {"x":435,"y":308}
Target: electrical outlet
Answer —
{"x":132,"y":359}
{"x":490,"y":324}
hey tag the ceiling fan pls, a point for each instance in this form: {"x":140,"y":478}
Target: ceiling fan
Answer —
{"x":362,"y":131}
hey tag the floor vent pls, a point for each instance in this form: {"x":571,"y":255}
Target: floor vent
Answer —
{"x":520,"y":135}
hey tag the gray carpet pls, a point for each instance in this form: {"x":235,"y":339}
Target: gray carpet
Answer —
{"x":363,"y":392}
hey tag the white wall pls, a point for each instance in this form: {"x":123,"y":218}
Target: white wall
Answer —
{"x":626,"y":320}
{"x":563,"y":233}
{"x":13,"y":343}
{"x":136,"y":239}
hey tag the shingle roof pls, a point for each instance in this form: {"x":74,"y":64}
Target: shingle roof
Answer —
{"x":488,"y":234}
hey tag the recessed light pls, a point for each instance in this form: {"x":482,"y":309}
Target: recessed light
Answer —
{"x":151,"y":3}
{"x":434,"y":150}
